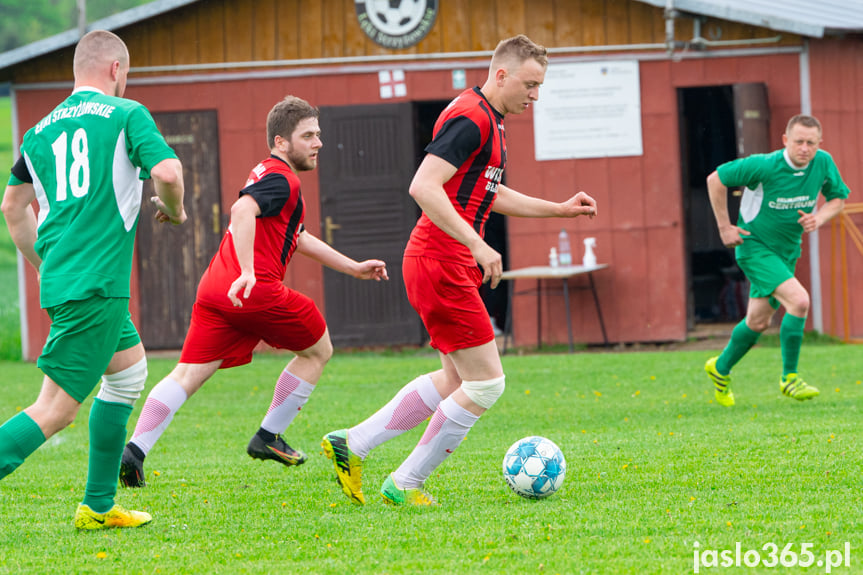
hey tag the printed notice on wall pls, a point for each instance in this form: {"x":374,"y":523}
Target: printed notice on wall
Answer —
{"x":588,"y":110}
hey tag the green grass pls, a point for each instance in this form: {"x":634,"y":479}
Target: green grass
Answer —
{"x":653,"y":467}
{"x":10,"y":320}
{"x":10,"y":323}
{"x":7,"y":248}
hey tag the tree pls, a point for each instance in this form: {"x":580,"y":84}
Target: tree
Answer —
{"x":26,"y":21}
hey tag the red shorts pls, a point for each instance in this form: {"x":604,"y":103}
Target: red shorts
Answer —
{"x":446,"y":295}
{"x":231,"y":334}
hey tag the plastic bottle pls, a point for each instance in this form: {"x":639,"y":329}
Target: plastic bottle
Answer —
{"x":589,"y":257}
{"x":564,"y":255}
{"x":552,"y":258}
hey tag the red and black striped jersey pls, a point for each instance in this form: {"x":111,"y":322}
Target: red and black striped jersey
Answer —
{"x":276,"y":189}
{"x":468,"y":134}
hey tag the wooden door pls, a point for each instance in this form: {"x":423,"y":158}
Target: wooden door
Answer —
{"x":365,"y":169}
{"x":171,"y":259}
{"x":751,"y":119}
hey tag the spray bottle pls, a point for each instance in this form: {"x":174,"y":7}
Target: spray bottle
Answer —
{"x":589,"y":257}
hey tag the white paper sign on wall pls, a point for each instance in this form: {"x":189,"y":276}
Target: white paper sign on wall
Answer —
{"x":588,"y":110}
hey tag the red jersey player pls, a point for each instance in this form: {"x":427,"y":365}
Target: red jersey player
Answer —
{"x":241,"y":299}
{"x":456,"y":185}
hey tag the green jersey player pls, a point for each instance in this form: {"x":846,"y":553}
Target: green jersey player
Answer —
{"x":83,"y":164}
{"x":780,"y":192}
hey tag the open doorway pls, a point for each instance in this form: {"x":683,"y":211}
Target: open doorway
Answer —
{"x":495,"y":229}
{"x":365,"y":171}
{"x":717,"y":288}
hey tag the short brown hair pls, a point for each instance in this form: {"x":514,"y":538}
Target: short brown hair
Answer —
{"x":98,"y":47}
{"x":284,"y":117}
{"x":516,"y":50}
{"x":803,"y":120}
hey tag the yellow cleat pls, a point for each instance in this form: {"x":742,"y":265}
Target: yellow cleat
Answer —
{"x":395,"y":495}
{"x":793,"y":385}
{"x":721,"y":383}
{"x":349,"y":466}
{"x":86,"y":518}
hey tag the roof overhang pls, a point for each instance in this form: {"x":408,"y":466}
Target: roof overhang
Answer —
{"x":802,"y":17}
{"x":71,"y":37}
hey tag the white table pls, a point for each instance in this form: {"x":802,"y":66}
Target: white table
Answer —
{"x":540,"y":273}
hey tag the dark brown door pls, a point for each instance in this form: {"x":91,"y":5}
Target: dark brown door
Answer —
{"x":751,"y":119}
{"x":366,"y":166}
{"x":171,"y":259}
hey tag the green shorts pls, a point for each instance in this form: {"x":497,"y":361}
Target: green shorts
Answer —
{"x":766,"y":271}
{"x":84,"y":336}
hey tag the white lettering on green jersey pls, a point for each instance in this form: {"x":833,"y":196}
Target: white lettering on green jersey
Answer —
{"x":86,"y":159}
{"x":773,"y":191}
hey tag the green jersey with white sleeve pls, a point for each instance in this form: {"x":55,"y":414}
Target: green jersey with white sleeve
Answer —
{"x":87,"y":160}
{"x":774,"y":189}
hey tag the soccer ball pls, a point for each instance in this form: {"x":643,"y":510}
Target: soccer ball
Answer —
{"x":534,"y":467}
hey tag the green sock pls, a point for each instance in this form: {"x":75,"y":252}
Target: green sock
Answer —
{"x":107,"y":439}
{"x":19,"y":437}
{"x":742,"y":340}
{"x":791,"y":339}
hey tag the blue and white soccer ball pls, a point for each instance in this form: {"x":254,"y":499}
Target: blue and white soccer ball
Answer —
{"x":534,"y":467}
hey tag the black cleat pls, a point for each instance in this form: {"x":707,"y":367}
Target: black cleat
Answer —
{"x":132,"y":466}
{"x":277,"y":450}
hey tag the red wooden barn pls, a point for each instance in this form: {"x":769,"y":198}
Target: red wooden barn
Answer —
{"x":643,"y":99}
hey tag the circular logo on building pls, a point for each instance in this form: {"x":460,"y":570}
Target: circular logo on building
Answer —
{"x":396,"y":24}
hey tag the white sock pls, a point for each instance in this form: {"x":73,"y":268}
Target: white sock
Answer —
{"x":448,"y":426}
{"x":158,"y":411}
{"x":289,"y":397}
{"x":411,"y":406}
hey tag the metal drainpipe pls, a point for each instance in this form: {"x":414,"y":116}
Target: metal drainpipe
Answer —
{"x":815,"y":308}
{"x":670,"y":14}
{"x":22,"y":264}
{"x":697,"y":40}
{"x":82,"y":17}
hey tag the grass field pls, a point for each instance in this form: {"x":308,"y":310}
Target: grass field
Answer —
{"x":10,"y":325}
{"x":7,"y":248}
{"x":654,"y":468}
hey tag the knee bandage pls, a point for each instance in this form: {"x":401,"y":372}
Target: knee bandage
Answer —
{"x":124,"y":386}
{"x":484,"y":393}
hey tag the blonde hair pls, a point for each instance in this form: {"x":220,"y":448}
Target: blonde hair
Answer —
{"x":97,"y":48}
{"x":803,"y":120}
{"x":516,"y":50}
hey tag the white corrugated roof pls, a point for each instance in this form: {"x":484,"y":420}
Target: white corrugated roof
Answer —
{"x":70,"y":37}
{"x":813,"y":18}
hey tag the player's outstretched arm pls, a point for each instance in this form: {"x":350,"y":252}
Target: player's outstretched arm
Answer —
{"x":21,"y":220}
{"x":718,"y":192}
{"x":512,"y":203}
{"x":318,"y":250}
{"x":168,"y":180}
{"x":243,"y":214}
